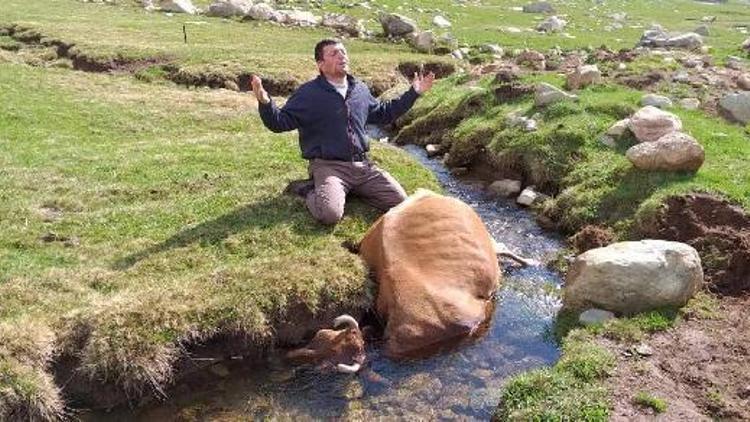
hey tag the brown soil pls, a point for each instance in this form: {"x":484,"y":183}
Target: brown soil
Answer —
{"x":644,"y":81}
{"x":719,"y":231}
{"x":700,"y":369}
{"x":591,"y":237}
{"x":440,"y":69}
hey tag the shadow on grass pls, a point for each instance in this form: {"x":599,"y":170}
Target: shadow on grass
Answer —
{"x":264,"y":214}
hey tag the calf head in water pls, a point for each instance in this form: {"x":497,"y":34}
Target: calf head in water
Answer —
{"x":343,"y":349}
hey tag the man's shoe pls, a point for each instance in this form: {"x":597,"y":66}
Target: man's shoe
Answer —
{"x":300,"y":187}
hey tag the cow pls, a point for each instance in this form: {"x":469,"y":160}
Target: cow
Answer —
{"x":436,"y":269}
{"x":343,"y":349}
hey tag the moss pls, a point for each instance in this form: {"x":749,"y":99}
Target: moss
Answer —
{"x":650,"y":401}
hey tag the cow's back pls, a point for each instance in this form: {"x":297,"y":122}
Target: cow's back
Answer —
{"x":436,"y":271}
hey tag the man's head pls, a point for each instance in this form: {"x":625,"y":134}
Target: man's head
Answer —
{"x":332,"y":59}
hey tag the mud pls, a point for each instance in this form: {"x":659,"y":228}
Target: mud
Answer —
{"x":591,"y":237}
{"x":440,"y":69}
{"x":718,"y":230}
{"x":699,"y":369}
{"x":641,"y":81}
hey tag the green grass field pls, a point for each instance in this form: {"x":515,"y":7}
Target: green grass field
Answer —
{"x":140,"y":218}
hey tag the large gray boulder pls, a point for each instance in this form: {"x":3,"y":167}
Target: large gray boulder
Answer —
{"x":674,"y":151}
{"x":631,"y":277}
{"x":737,"y":105}
{"x":227,"y":8}
{"x":650,"y":123}
{"x":298,"y":18}
{"x":263,"y":12}
{"x":657,"y":37}
{"x":395,"y":25}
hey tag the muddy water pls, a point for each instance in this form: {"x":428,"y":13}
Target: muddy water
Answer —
{"x":463,"y":382}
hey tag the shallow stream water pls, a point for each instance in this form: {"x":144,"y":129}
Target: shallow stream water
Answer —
{"x":463,"y":382}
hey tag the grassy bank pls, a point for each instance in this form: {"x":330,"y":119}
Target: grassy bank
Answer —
{"x":140,"y":219}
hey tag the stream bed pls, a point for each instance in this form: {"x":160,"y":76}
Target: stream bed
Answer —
{"x":463,"y":382}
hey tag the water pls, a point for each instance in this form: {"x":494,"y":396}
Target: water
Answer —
{"x":464,"y":382}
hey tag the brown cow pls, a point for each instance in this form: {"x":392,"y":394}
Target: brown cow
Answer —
{"x":436,"y":269}
{"x":344,"y":349}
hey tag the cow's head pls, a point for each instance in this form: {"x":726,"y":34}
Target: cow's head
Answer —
{"x":343,"y":348}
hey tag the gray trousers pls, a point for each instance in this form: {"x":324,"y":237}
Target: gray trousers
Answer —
{"x":335,"y":179}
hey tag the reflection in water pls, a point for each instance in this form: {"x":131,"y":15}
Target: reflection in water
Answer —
{"x":463,"y":382}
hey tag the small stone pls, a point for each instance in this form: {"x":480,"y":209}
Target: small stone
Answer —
{"x":504,"y":187}
{"x":644,"y":350}
{"x":656,"y":101}
{"x":432,"y":149}
{"x":690,"y":103}
{"x":527,"y":197}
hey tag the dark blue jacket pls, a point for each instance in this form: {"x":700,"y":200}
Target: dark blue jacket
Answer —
{"x":331,"y":127}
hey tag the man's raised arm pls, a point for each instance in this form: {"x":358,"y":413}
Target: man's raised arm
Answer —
{"x":275,"y":119}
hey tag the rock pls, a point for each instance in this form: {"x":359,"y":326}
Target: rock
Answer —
{"x":344,"y":23}
{"x":546,"y":94}
{"x":619,"y":128}
{"x":504,"y":187}
{"x":631,"y":277}
{"x":441,"y":22}
{"x":538,"y":7}
{"x":674,"y":151}
{"x":650,"y":123}
{"x":433,"y":149}
{"x":584,"y":76}
{"x":395,"y":25}
{"x":532,"y":59}
{"x":656,"y":101}
{"x":263,"y":12}
{"x":746,"y":45}
{"x":743,"y":82}
{"x":178,"y":6}
{"x":734,"y":62}
{"x":423,"y":41}
{"x":227,"y":8}
{"x":690,"y":103}
{"x":594,"y":316}
{"x":552,"y":24}
{"x":298,"y":18}
{"x":492,"y":49}
{"x":528,"y":197}
{"x":644,"y":350}
{"x":737,"y":105}
{"x":657,"y":37}
{"x":608,"y":141}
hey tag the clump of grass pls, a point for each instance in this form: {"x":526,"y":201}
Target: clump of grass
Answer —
{"x":650,"y":401}
{"x":635,"y":328}
{"x":571,"y":390}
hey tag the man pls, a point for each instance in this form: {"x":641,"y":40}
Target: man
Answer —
{"x":330,"y":113}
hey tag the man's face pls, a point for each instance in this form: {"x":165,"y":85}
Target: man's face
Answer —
{"x":335,"y":61}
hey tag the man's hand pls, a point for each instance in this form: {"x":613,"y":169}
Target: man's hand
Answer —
{"x":260,"y":93}
{"x":423,"y":83}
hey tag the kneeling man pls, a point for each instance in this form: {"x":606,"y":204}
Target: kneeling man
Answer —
{"x":331,"y":112}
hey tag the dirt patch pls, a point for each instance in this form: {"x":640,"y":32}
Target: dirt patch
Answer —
{"x":699,"y":369}
{"x":440,"y":69}
{"x":591,"y":237}
{"x":511,"y":91}
{"x":718,"y":230}
{"x":641,"y":81}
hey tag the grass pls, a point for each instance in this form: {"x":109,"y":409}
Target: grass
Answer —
{"x":140,"y":219}
{"x":570,"y":390}
{"x":647,"y":400}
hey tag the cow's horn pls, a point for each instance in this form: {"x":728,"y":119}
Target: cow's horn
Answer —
{"x":348,"y":369}
{"x":345,"y":319}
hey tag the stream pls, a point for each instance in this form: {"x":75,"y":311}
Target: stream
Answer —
{"x":464,"y":382}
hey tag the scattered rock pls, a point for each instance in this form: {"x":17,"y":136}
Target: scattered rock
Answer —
{"x":674,"y":151}
{"x":529,"y":197}
{"x":423,"y":41}
{"x":650,"y":123}
{"x":227,"y":8}
{"x":344,"y":24}
{"x":263,"y":12}
{"x":441,"y":22}
{"x":643,"y":350}
{"x":552,"y":24}
{"x":491,"y":49}
{"x":657,"y":37}
{"x":395,"y":25}
{"x":504,"y":187}
{"x":532,"y":59}
{"x":743,"y":82}
{"x":594,"y":316}
{"x":548,"y":94}
{"x":734,"y":62}
{"x":632,"y":277}
{"x":737,"y":106}
{"x":433,"y":149}
{"x":656,"y":101}
{"x":690,"y":103}
{"x":619,"y":128}
{"x":584,"y":76}
{"x":702,"y":31}
{"x":178,"y":6}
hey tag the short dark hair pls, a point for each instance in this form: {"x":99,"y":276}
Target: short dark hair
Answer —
{"x":321,"y":45}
